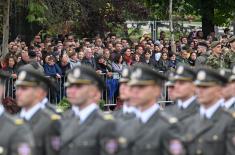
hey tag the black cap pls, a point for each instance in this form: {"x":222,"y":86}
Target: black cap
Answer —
{"x":214,"y":44}
{"x":203,"y":43}
{"x":80,"y":75}
{"x":231,"y":39}
{"x":207,"y":77}
{"x":125,"y":76}
{"x":184,"y":73}
{"x":143,"y":75}
{"x":30,"y":77}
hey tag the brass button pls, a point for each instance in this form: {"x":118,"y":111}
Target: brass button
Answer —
{"x":199,"y":151}
{"x":200,"y":140}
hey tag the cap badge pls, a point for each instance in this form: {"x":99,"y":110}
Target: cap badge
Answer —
{"x":136,"y":74}
{"x":201,"y":75}
{"x":71,"y":78}
{"x":77,"y":73}
{"x":22,"y":75}
{"x":125,"y":72}
{"x":222,"y":72}
{"x":180,"y":70}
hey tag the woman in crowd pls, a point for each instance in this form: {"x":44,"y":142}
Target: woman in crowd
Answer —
{"x":117,"y":65}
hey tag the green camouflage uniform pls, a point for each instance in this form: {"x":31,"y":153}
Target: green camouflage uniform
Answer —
{"x":216,"y":62}
{"x":230,"y":58}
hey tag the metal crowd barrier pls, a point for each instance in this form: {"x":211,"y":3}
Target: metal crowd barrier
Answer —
{"x":109,"y":95}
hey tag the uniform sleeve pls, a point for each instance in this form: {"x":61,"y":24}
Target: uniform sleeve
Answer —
{"x":230,"y":142}
{"x":172,"y":142}
{"x":22,"y":142}
{"x":107,"y":138}
{"x":52,"y":139}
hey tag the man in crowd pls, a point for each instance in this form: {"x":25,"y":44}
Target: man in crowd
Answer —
{"x":31,"y":89}
{"x":230,"y":55}
{"x":202,"y":53}
{"x":89,"y":60}
{"x":216,"y":59}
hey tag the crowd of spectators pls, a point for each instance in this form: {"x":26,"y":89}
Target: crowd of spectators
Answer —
{"x":55,"y":55}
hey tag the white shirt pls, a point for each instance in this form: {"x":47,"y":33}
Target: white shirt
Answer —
{"x":1,"y":110}
{"x":29,"y":113}
{"x":129,"y":109}
{"x":44,"y":102}
{"x":84,"y":113}
{"x":227,"y":104}
{"x":211,"y":110}
{"x":145,"y":115}
{"x":186,"y":103}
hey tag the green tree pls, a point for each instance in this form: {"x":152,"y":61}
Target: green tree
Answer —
{"x":212,"y":12}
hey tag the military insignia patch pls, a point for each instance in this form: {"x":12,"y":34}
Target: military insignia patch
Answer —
{"x":55,"y":143}
{"x":176,"y":147}
{"x":111,"y":146}
{"x":201,"y":75}
{"x":24,"y":149}
{"x":22,"y":75}
{"x":180,"y":70}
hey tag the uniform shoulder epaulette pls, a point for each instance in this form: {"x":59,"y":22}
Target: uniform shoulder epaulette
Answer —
{"x":51,"y":115}
{"x":15,"y":120}
{"x":55,"y":117}
{"x":169,"y":118}
{"x":18,"y":121}
{"x":106,"y":116}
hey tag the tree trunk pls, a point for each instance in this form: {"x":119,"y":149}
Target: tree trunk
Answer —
{"x":207,"y":13}
{"x":6,"y":12}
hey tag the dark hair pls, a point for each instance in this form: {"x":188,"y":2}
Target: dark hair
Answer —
{"x":117,"y":57}
{"x":147,"y":52}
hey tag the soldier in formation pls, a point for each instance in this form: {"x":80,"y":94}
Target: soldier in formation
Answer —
{"x":201,"y":120}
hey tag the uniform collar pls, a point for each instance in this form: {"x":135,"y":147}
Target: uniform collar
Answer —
{"x":227,"y":104}
{"x":29,"y":113}
{"x":1,"y":110}
{"x":129,"y":109}
{"x":84,"y":113}
{"x":145,"y":115}
{"x":186,"y":103}
{"x":211,"y":110}
{"x":44,"y":102}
